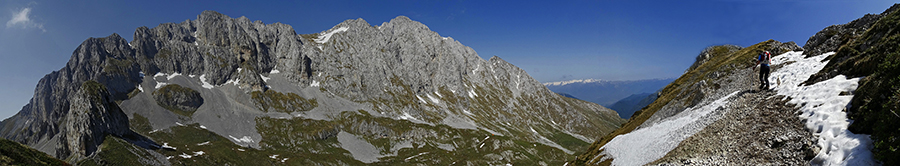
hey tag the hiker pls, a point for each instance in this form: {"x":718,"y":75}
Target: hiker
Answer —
{"x":763,"y":60}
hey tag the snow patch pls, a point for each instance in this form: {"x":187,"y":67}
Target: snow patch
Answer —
{"x":433,"y":99}
{"x":204,"y":143}
{"x":140,"y":88}
{"x":561,"y":83}
{"x":166,"y":146}
{"x":172,"y":76}
{"x":245,"y":139}
{"x":202,"y":127}
{"x":414,"y":156}
{"x":274,"y":156}
{"x":822,"y":108}
{"x":198,"y":153}
{"x":185,"y":155}
{"x":314,"y":84}
{"x":233,"y":81}
{"x":407,"y":116}
{"x":264,"y":78}
{"x":650,"y":143}
{"x":160,"y":84}
{"x":205,"y":84}
{"x":179,"y":124}
{"x":274,"y":71}
{"x":472,"y":93}
{"x":465,"y":111}
{"x":420,"y":99}
{"x":324,"y":37}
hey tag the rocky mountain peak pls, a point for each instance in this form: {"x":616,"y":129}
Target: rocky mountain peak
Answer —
{"x":93,"y":115}
{"x":205,"y":75}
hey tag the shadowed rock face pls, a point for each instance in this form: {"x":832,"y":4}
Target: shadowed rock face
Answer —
{"x":399,"y":70}
{"x":102,"y":59}
{"x":92,"y":115}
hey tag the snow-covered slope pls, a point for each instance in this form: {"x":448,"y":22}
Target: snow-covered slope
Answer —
{"x":821,"y":106}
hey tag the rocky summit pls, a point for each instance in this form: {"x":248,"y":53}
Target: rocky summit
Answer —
{"x":229,"y":91}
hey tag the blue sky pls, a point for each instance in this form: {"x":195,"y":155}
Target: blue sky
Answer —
{"x":551,"y":40}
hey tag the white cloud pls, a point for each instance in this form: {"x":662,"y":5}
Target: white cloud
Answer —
{"x":22,"y":19}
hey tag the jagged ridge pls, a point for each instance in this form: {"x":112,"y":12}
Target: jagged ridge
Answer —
{"x":399,"y":70}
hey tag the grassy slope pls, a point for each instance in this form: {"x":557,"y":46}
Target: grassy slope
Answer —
{"x":14,"y":153}
{"x":301,"y":141}
{"x":722,"y":61}
{"x":874,"y":107}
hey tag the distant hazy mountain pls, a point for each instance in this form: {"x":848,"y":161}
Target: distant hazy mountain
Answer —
{"x":605,"y":92}
{"x":627,"y":106}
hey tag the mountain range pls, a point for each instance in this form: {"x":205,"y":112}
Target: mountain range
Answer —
{"x":219,"y":90}
{"x":608,"y":93}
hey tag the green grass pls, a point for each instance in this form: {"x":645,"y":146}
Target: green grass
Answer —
{"x":140,"y":124}
{"x":271,"y":100}
{"x":115,"y":151}
{"x":311,"y":142}
{"x":14,"y":153}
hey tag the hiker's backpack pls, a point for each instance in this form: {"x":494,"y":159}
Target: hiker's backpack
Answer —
{"x":765,"y":58}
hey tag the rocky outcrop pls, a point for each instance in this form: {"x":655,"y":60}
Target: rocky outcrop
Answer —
{"x":92,"y":116}
{"x":177,"y":98}
{"x":712,"y":51}
{"x":106,"y":60}
{"x":834,"y":36}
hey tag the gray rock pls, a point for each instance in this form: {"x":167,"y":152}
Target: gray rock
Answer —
{"x":401,"y":68}
{"x":92,"y":115}
{"x":106,"y":60}
{"x":834,"y":36}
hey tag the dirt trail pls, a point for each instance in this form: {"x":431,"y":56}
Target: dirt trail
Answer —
{"x":758,"y":128}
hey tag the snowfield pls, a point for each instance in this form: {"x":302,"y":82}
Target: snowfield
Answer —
{"x":648,"y":144}
{"x":245,"y":139}
{"x":324,"y":37}
{"x":205,"y":84}
{"x":822,"y":107}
